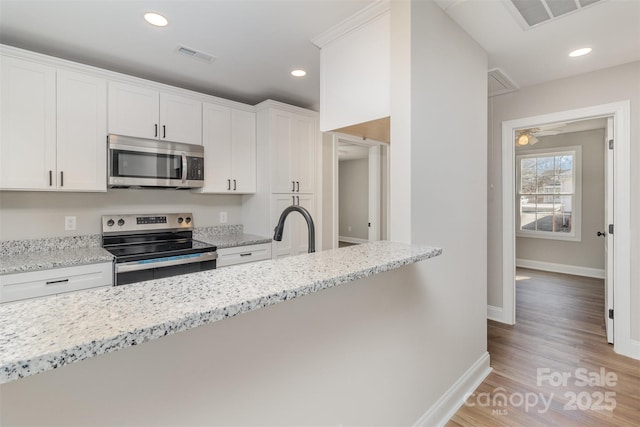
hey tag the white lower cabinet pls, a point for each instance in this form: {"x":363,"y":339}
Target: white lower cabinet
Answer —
{"x":243,"y":254}
{"x":34,"y":284}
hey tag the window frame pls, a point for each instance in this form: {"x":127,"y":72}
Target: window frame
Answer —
{"x":576,"y":216}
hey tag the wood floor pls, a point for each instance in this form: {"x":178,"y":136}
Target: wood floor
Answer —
{"x":559,"y":331}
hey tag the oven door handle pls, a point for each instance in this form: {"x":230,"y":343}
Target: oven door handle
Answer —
{"x":125,"y":267}
{"x":184,"y":167}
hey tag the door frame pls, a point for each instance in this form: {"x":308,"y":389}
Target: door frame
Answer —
{"x":621,"y":113}
{"x":375,"y":184}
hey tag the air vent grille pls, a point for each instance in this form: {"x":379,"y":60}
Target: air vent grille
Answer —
{"x":196,"y":54}
{"x":500,"y":83}
{"x":534,"y":12}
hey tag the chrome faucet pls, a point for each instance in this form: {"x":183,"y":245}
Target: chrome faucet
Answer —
{"x":277,"y":236}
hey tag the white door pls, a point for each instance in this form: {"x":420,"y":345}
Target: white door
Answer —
{"x":133,"y":111}
{"x":180,"y":119}
{"x":216,"y":138}
{"x":608,"y":243}
{"x":243,"y":159}
{"x":28,"y":125}
{"x":81,"y":132}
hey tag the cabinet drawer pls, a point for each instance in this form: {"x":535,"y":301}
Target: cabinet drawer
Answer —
{"x":35,"y":284}
{"x":243,"y":254}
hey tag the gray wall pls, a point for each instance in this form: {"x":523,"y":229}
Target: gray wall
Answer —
{"x":30,"y":215}
{"x":599,"y":87}
{"x":590,"y":251}
{"x":353,"y":182}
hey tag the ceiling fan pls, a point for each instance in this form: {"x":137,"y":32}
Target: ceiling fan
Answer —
{"x":528,"y":136}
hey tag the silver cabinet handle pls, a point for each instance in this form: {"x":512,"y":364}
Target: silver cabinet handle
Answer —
{"x":61,"y":179}
{"x":228,"y":184}
{"x":293,"y":186}
{"x":164,"y":132}
{"x":234,"y":185}
{"x":293,"y":200}
{"x":298,"y":186}
{"x":246,"y":254}
{"x":156,"y":133}
{"x":50,"y":178}
{"x":298,"y":200}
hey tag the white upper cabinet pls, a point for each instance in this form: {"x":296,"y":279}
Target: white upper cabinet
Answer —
{"x":28,"y":125}
{"x":293,"y":154}
{"x":229,"y":138}
{"x":53,"y":128}
{"x":81,"y":132}
{"x":355,"y":69}
{"x":147,"y":113}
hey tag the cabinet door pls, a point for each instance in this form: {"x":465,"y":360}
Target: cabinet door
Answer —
{"x":307,"y":201}
{"x":287,"y":246}
{"x":216,"y":138}
{"x":133,"y":111}
{"x":304,"y":153}
{"x":243,"y":159}
{"x":281,"y":152}
{"x":81,"y":132}
{"x":28,"y":125}
{"x":180,"y":119}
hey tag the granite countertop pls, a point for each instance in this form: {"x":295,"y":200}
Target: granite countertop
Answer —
{"x":20,"y":256}
{"x":43,"y":334}
{"x":229,"y":238}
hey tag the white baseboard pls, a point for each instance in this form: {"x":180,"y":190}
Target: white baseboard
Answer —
{"x":449,"y":403}
{"x":494,"y":313}
{"x":630,"y":348}
{"x":561,"y":268}
{"x":352,"y":240}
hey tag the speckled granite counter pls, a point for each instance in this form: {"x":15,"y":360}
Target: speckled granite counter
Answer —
{"x":43,"y":334}
{"x":19,"y":256}
{"x":227,"y":237}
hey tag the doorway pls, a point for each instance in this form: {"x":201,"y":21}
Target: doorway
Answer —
{"x":358,"y":201}
{"x":621,"y":245}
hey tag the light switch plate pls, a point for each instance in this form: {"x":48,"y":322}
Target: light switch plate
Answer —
{"x":223,"y":217}
{"x":69,"y":223}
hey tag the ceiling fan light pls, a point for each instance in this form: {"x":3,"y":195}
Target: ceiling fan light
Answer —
{"x":533,"y":140}
{"x":523,"y":139}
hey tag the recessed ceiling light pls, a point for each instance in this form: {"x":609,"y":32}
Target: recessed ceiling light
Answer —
{"x":580,"y":52}
{"x":156,"y":19}
{"x":298,"y":73}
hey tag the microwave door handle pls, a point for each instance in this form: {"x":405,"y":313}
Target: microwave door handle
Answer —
{"x":184,"y":167}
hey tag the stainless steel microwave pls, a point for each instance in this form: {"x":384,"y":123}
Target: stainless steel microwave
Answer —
{"x":138,"y":162}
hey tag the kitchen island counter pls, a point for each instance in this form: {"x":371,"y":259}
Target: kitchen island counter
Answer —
{"x":43,"y":334}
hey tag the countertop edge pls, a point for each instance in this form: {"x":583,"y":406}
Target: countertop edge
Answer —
{"x":16,"y":369}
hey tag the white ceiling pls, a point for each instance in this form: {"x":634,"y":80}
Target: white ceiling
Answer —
{"x":539,"y":54}
{"x":258,"y":42}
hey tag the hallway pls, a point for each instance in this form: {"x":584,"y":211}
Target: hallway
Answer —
{"x":554,"y":367}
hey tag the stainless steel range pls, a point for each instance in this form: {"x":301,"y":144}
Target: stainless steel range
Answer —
{"x":154,"y":246}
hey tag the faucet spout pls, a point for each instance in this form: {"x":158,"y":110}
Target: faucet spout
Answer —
{"x":277,"y":232}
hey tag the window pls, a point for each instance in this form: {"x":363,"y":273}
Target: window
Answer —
{"x":549,"y":193}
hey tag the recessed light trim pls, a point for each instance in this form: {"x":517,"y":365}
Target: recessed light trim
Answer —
{"x":580,"y":52}
{"x":298,"y":73}
{"x":156,"y":19}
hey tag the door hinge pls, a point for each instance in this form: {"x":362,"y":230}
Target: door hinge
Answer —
{"x":611,"y":313}
{"x":610,"y":228}
{"x":611,"y":144}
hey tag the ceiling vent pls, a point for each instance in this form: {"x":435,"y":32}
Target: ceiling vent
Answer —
{"x":196,"y":54}
{"x":530,"y":13}
{"x":500,"y":83}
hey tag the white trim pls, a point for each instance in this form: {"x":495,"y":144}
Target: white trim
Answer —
{"x":352,"y":240}
{"x":449,"y":403}
{"x":494,"y":313}
{"x":352,"y":23}
{"x":576,"y":270}
{"x":374,"y":193}
{"x":621,"y":112}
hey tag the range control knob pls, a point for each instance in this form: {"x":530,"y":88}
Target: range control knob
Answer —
{"x":188,"y":220}
{"x":110,"y":223}
{"x":121,"y":222}
{"x":180,"y":220}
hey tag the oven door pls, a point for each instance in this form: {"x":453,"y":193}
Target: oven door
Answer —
{"x":149,"y":163}
{"x":157,"y":268}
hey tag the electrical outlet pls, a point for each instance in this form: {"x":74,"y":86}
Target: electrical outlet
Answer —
{"x":223,"y":217}
{"x":69,"y":223}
